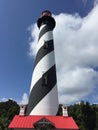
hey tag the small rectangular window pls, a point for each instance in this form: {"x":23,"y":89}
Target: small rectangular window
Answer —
{"x":44,"y":80}
{"x":46,"y":45}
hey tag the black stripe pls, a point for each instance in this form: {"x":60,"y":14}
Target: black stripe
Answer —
{"x":44,"y":30}
{"x":44,"y":50}
{"x":39,"y":91}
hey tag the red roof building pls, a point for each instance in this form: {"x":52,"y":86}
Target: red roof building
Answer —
{"x":43,"y":123}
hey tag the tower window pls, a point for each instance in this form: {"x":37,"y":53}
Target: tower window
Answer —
{"x":46,"y":45}
{"x":44,"y":80}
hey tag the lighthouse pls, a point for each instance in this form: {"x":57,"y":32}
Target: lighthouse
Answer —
{"x":43,"y":98}
{"x":40,"y":113}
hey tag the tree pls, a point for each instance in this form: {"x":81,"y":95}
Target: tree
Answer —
{"x":84,"y":115}
{"x":88,"y":116}
{"x":7,"y":111}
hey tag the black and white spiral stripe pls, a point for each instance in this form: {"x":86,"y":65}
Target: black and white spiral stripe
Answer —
{"x":43,"y":98}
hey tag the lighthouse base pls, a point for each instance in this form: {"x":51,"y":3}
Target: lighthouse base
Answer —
{"x":42,"y":123}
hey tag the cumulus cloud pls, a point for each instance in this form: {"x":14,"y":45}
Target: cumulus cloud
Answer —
{"x":77,"y":84}
{"x":3,"y":99}
{"x":24,"y":99}
{"x":76,"y":53}
{"x":95,"y":2}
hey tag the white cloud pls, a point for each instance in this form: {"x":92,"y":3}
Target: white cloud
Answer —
{"x":95,"y":2}
{"x":33,"y":40}
{"x":24,"y":99}
{"x":76,"y":52}
{"x":3,"y":99}
{"x":76,"y":84}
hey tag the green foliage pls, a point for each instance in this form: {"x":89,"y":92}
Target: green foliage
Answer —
{"x":85,"y":115}
{"x":7,"y":111}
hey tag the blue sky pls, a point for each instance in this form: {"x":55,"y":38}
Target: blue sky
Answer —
{"x":16,"y":20}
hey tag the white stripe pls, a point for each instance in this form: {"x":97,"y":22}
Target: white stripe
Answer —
{"x":42,"y":26}
{"x":46,"y":37}
{"x":48,"y":105}
{"x":43,"y":65}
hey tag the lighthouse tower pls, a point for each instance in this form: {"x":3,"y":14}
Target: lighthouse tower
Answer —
{"x":43,"y":98}
{"x":40,"y":114}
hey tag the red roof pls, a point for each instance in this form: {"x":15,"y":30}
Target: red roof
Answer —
{"x":62,"y":122}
